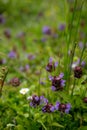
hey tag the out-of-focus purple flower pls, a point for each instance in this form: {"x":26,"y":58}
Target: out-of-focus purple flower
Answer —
{"x":83,"y":63}
{"x":57,"y":105}
{"x":24,"y":68}
{"x":55,"y":35}
{"x":36,"y":101}
{"x":65,"y":108}
{"x":82,"y":35}
{"x":85,"y":99}
{"x":81,"y":45}
{"x":51,"y":65}
{"x":48,"y":108}
{"x":68,"y":107}
{"x":15,"y":81}
{"x":27,"y":67}
{"x":61,"y":27}
{"x":20,"y":34}
{"x":57,"y":82}
{"x":12,"y":54}
{"x":2,"y":19}
{"x":2,"y":61}
{"x":50,"y":77}
{"x":46,"y":30}
{"x":43,"y":39}
{"x":77,"y":64}
{"x":42,"y":81}
{"x":7,"y":33}
{"x":31,"y":56}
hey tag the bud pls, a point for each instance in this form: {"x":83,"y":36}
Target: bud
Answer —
{"x":78,"y":72}
{"x":85,"y":99}
{"x":15,"y":82}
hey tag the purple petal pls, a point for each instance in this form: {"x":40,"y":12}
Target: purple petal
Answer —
{"x":83,"y":63}
{"x":63,"y":83}
{"x":36,"y":98}
{"x":50,"y":60}
{"x":61,"y":75}
{"x":68,"y":107}
{"x":47,"y":68}
{"x":61,"y":27}
{"x":12,"y":54}
{"x":52,"y":109}
{"x":57,"y":105}
{"x":56,"y":64}
{"x":81,"y":45}
{"x":50,"y":78}
{"x":53,"y":88}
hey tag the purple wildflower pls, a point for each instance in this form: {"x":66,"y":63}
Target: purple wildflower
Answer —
{"x":20,"y":34}
{"x":12,"y":54}
{"x":48,"y":108}
{"x":65,"y":108}
{"x":36,"y":101}
{"x":81,"y":45}
{"x":46,"y":30}
{"x":2,"y":19}
{"x":57,"y":82}
{"x":15,"y":81}
{"x":62,"y":27}
{"x":2,"y":61}
{"x":77,"y":63}
{"x":43,"y":39}
{"x":78,"y":72}
{"x":85,"y":99}
{"x":31,"y":56}
{"x":7,"y":33}
{"x":51,"y":65}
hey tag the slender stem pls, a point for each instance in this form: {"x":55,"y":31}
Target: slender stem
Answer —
{"x":73,"y":86}
{"x":39,"y":83}
{"x":69,"y":41}
{"x":3,"y":83}
{"x":82,"y":53}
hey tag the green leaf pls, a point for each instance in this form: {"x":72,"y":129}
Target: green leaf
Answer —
{"x":10,"y":125}
{"x":83,"y":128}
{"x":57,"y":124}
{"x":42,"y":124}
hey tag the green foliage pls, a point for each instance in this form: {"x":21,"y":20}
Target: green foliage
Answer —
{"x":34,"y":48}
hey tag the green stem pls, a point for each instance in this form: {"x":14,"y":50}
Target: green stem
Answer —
{"x":69,"y":41}
{"x":3,"y":83}
{"x":73,"y":86}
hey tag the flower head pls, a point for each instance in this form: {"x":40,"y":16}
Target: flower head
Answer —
{"x":51,"y":65}
{"x":57,"y":82}
{"x":15,"y":82}
{"x":2,"y":19}
{"x":65,"y":108}
{"x":37,"y":100}
{"x":7,"y":33}
{"x":78,"y":72}
{"x":62,"y":27}
{"x":46,"y":30}
{"x":12,"y":54}
{"x":48,"y":108}
{"x":24,"y":90}
{"x":85,"y":99}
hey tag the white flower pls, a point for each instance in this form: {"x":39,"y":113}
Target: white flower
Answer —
{"x":74,"y":65}
{"x":24,"y":90}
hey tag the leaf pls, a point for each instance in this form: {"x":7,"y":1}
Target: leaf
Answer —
{"x":57,"y":124}
{"x":42,"y":124}
{"x":10,"y":125}
{"x":83,"y":128}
